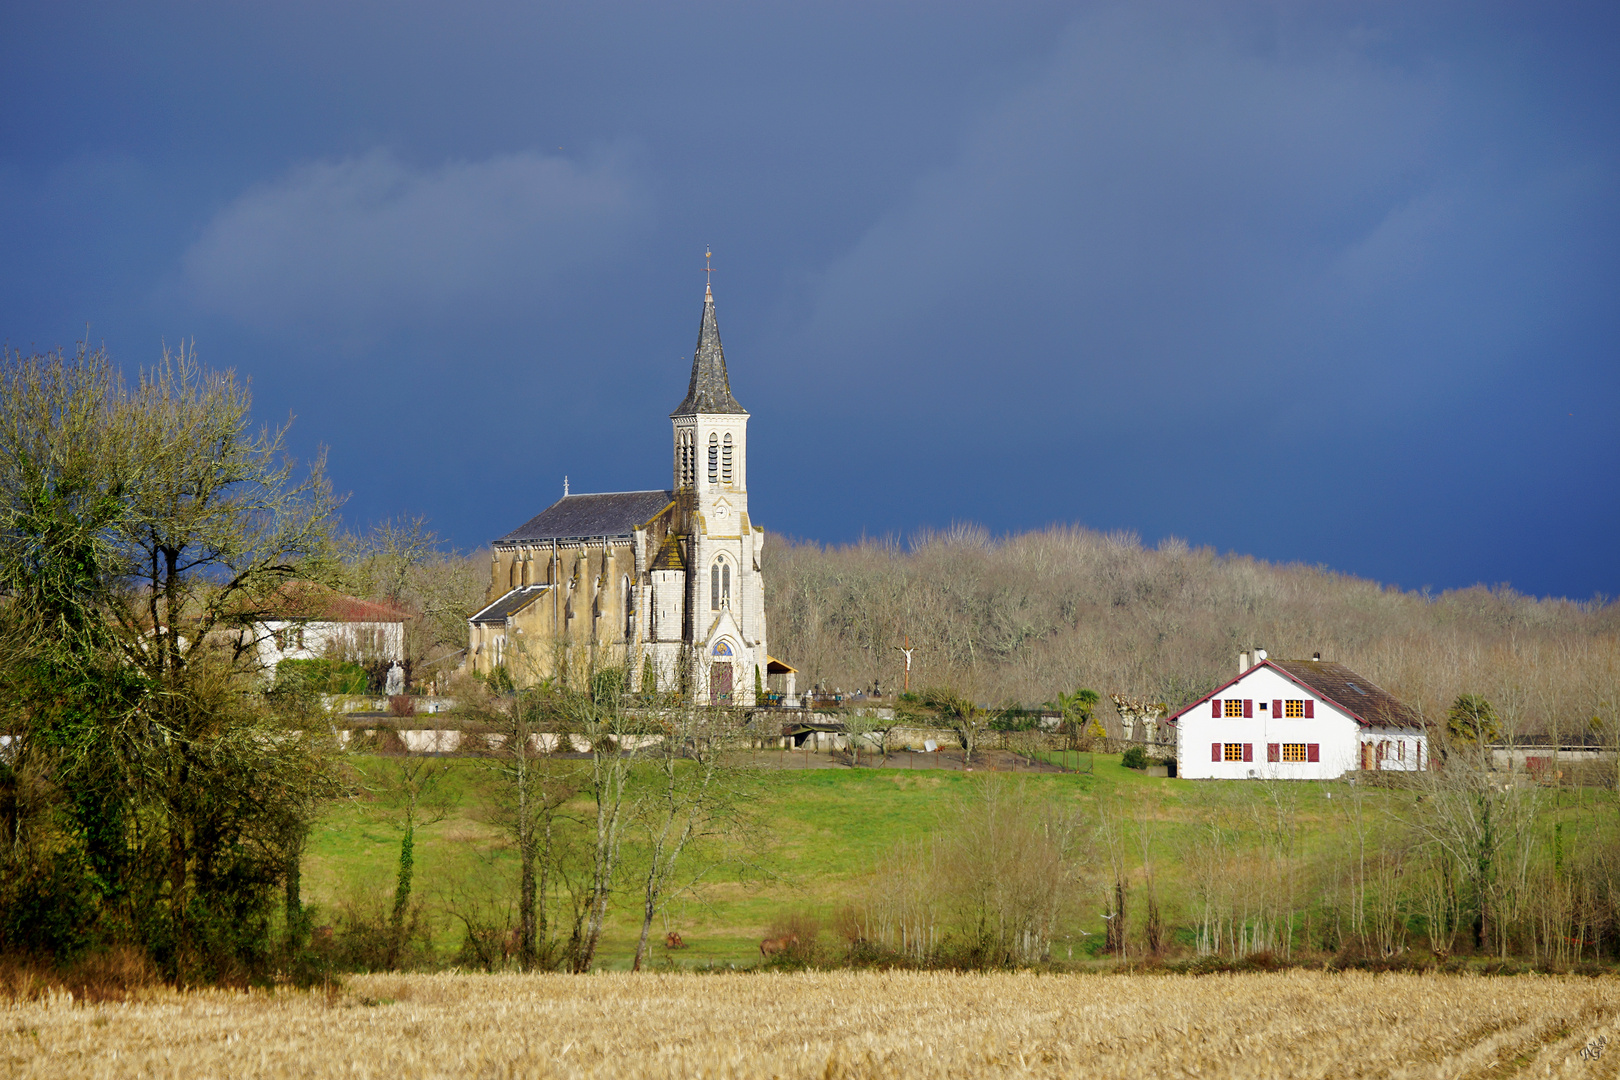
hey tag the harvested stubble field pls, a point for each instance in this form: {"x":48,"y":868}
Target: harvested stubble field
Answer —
{"x":840,"y":1024}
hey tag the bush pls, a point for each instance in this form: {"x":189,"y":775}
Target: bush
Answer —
{"x":1134,"y":758}
{"x":324,"y":676}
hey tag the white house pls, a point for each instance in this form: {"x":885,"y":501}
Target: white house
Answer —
{"x":1296,"y":720}
{"x":307,"y":621}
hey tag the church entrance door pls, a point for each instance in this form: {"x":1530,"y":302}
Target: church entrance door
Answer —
{"x":719,"y":683}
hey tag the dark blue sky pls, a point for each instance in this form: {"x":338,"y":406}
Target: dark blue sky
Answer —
{"x":1325,"y":283}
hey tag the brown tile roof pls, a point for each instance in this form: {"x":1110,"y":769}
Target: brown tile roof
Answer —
{"x":1360,"y":697}
{"x":1370,"y":704}
{"x":310,"y":601}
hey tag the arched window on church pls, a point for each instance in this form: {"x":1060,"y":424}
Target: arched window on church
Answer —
{"x":714,"y":458}
{"x":725,"y":585}
{"x":714,"y":587}
{"x":512,"y":575}
{"x":725,"y":460}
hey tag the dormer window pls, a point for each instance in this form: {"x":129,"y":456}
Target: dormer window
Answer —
{"x":725,"y":460}
{"x":714,"y":458}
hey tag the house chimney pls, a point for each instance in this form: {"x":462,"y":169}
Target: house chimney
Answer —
{"x":1243,"y":661}
{"x":1316,"y":657}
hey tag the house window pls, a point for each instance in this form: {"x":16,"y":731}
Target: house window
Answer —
{"x":725,"y":460}
{"x":714,"y":458}
{"x":1293,"y":751}
{"x":1234,"y":708}
{"x":1232,"y":751}
{"x":1294,"y":710}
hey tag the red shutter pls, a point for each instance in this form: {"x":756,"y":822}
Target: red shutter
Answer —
{"x":1215,"y":751}
{"x":1310,"y":709}
{"x":1248,"y":708}
{"x":1273,"y":751}
{"x":1276,"y":710}
{"x":1248,"y":751}
{"x":1313,"y":751}
{"x":1215,"y":708}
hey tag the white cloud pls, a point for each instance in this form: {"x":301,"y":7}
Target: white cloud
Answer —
{"x":363,"y":244}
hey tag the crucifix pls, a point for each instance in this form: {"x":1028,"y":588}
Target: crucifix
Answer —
{"x":907,"y":650}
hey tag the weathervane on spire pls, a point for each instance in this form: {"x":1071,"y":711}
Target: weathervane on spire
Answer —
{"x":707,"y":269}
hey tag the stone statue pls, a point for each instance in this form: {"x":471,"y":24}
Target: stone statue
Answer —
{"x":395,"y":684}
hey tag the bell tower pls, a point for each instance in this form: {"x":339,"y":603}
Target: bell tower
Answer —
{"x":724,"y":591}
{"x":711,"y":432}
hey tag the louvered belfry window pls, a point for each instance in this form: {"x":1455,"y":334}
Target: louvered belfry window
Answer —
{"x":686,"y":454}
{"x":714,"y":458}
{"x":725,"y":460}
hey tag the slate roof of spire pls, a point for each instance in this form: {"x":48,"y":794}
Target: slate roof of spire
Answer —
{"x":710,"y":390}
{"x":582,"y":517}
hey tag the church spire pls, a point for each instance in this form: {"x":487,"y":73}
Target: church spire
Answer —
{"x":710,"y":389}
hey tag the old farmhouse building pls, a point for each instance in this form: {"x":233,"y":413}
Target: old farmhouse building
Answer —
{"x":666,"y":583}
{"x":1296,"y":720}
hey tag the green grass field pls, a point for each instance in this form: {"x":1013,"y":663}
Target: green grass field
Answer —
{"x":826,"y":829}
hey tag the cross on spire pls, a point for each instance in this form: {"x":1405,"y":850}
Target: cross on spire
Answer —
{"x":708,"y":270}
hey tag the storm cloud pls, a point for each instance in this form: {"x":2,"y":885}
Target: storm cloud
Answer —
{"x":1327,"y":282}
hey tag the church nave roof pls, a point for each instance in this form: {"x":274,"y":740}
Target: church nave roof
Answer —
{"x":583,"y":517}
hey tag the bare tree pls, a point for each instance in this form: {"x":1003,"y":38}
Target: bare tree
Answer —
{"x":1482,"y":820}
{"x":410,"y":791}
{"x":961,"y":715}
{"x":1111,"y":830}
{"x":696,"y":797}
{"x":532,"y":784}
{"x":617,"y":734}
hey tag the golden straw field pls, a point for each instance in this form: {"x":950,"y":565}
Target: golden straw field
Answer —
{"x":839,"y":1024}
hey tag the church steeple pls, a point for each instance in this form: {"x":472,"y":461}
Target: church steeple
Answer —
{"x":710,"y":389}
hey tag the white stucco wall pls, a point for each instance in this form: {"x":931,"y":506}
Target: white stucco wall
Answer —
{"x":312,"y":639}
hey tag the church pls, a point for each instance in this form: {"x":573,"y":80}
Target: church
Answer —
{"x":664,"y":583}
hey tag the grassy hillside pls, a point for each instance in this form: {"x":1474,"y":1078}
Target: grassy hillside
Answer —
{"x":1330,"y":854}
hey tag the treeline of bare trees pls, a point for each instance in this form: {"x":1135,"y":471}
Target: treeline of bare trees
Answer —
{"x":1463,"y":865}
{"x":1026,"y":617}
{"x":402,"y":563}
